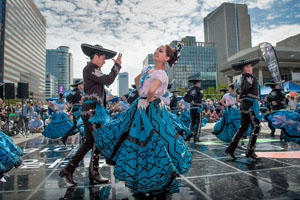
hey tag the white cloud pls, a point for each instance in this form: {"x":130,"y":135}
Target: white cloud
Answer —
{"x":261,"y":4}
{"x":273,"y":34}
{"x":134,"y":28}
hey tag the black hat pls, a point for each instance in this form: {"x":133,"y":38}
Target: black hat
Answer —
{"x":91,"y":50}
{"x":133,"y":86}
{"x":224,"y":89}
{"x":273,"y":83}
{"x":239,"y":65}
{"x":77,"y":82}
{"x":174,"y":91}
{"x":195,"y":79}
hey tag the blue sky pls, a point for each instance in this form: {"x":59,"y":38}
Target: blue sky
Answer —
{"x":136,"y":28}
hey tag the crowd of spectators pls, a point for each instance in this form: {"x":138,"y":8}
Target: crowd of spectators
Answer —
{"x":34,"y":116}
{"x":16,"y":119}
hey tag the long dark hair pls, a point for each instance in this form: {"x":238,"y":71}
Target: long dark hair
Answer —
{"x":61,"y":95}
{"x":170,"y":54}
{"x":174,"y":54}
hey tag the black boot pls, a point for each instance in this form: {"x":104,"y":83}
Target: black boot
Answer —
{"x":189,"y":137}
{"x":230,"y":151}
{"x":64,"y":140}
{"x":19,"y":163}
{"x":94,"y":174}
{"x":272,"y":133}
{"x":252,"y":155}
{"x":233,"y":145}
{"x":98,"y":178}
{"x":67,"y":173}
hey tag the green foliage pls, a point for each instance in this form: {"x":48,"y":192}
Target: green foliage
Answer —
{"x":184,"y":40}
{"x":212,"y":92}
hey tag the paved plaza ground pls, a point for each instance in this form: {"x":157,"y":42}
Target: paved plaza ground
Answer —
{"x":212,"y":175}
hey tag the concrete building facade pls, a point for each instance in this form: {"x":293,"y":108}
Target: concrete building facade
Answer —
{"x":123,"y":83}
{"x":228,"y":26}
{"x":23,"y":45}
{"x":51,"y":86}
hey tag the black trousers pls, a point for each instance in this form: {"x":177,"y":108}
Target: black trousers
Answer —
{"x":88,"y":110}
{"x":247,"y":118}
{"x":195,"y":116}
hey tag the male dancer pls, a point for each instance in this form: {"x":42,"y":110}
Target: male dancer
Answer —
{"x":174,"y":101}
{"x":194,"y":96}
{"x":94,"y":81}
{"x":74,"y":99}
{"x":276,"y":100}
{"x":249,"y":94}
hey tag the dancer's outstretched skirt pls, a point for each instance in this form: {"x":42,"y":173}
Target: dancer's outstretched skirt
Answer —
{"x":145,"y":148}
{"x":59,"y":125}
{"x":9,"y":153}
{"x":228,"y":124}
{"x":288,"y":122}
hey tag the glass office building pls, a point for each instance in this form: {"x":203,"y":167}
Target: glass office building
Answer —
{"x":51,"y":86}
{"x":23,"y":45}
{"x":149,"y":60}
{"x":197,"y":59}
{"x":59,"y":63}
{"x":123,"y":83}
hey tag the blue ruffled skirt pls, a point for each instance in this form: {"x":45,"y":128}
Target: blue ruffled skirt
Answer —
{"x":9,"y":153}
{"x":145,"y":148}
{"x":80,"y":127}
{"x":185,"y":118}
{"x":288,"y":122}
{"x":228,"y":124}
{"x":59,"y":125}
{"x":179,"y":126}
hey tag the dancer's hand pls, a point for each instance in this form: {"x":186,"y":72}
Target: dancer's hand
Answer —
{"x":119,"y":59}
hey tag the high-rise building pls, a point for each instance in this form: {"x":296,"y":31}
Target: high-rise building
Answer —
{"x":228,"y":27}
{"x":51,"y":85}
{"x":123,"y":83}
{"x":59,"y":63}
{"x":198,"y":59}
{"x":71,"y":79}
{"x":23,"y":45}
{"x":149,"y":60}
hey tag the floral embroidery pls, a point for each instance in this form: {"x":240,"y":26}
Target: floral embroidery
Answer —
{"x":97,"y":72}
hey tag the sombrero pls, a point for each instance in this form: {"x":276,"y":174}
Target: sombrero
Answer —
{"x":271,"y":83}
{"x":133,"y":86}
{"x":77,"y":82}
{"x":174,"y":91}
{"x":239,"y":65}
{"x":91,"y":50}
{"x":224,"y":89}
{"x":194,"y":79}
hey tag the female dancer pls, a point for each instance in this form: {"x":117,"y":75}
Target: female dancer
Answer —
{"x":60,"y":122}
{"x":144,"y":147}
{"x":9,"y":154}
{"x":230,"y":121}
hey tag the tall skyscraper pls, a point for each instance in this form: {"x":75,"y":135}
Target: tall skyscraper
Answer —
{"x":51,"y":85}
{"x":198,"y":59}
{"x":149,"y":60}
{"x":228,"y":27}
{"x":23,"y":45}
{"x":59,"y":63}
{"x":123,"y":83}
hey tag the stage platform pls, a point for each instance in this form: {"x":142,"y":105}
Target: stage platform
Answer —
{"x":212,"y":175}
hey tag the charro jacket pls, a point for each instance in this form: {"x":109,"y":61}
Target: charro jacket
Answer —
{"x":94,"y":80}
